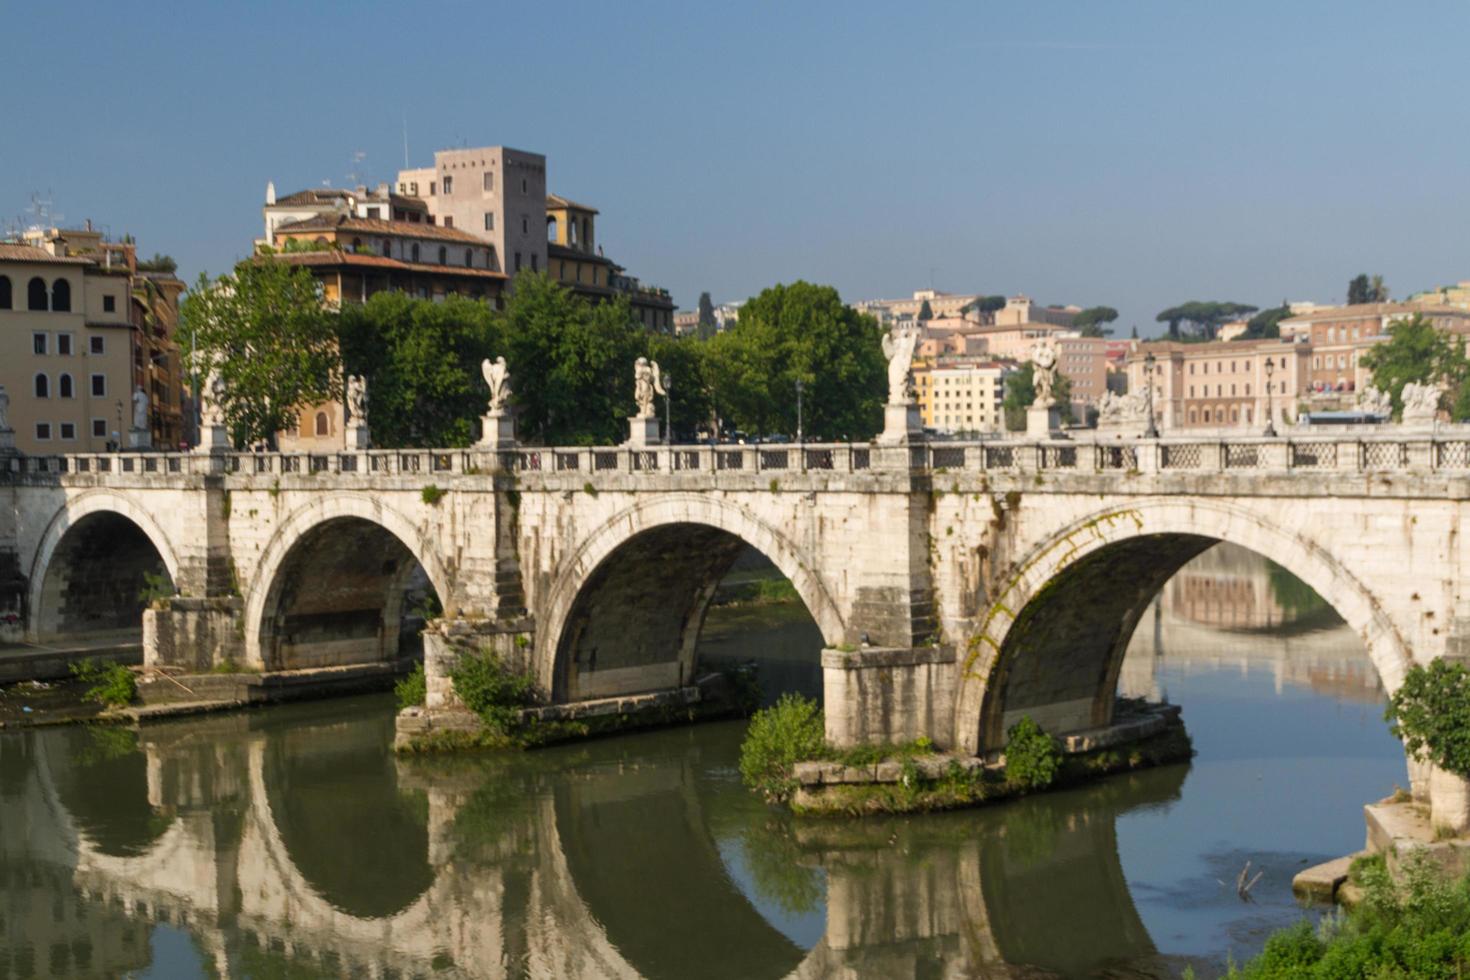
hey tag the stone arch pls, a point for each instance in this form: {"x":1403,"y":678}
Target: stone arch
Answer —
{"x":667,"y":513}
{"x":73,"y":513}
{"x":1172,"y":530}
{"x":266,"y":584}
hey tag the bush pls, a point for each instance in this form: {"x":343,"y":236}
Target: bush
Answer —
{"x":790,"y":731}
{"x":413,"y":689}
{"x":112,"y":685}
{"x":492,"y":690}
{"x":1033,"y":757}
{"x":156,"y":587}
{"x":1431,"y":713}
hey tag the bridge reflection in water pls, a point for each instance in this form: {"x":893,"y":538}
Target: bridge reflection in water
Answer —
{"x":291,"y":841}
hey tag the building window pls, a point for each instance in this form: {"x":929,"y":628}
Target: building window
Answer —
{"x":63,"y":344}
{"x":99,"y":386}
{"x":449,"y":221}
{"x":357,"y":244}
{"x":5,"y":299}
{"x":375,"y":213}
{"x":489,"y":181}
{"x":443,"y":255}
{"x":64,"y":387}
{"x":38,"y":343}
{"x":448,"y":184}
{"x":68,"y":430}
{"x":43,"y":386}
{"x":43,"y":431}
{"x":97,"y":344}
{"x":109,"y":304}
{"x":99,"y":428}
{"x":36,"y":294}
{"x":489,"y":220}
{"x":415,"y":251}
{"x":523,"y":186}
{"x":587,"y":232}
{"x":387,"y":249}
{"x":469,"y":258}
{"x":323,"y":427}
{"x":61,"y":296}
{"x":518,"y":262}
{"x":525,"y":225}
{"x":432,"y":192}
{"x":551,"y":229}
{"x":533,"y":262}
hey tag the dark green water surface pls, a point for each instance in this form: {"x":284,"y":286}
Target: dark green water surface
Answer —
{"x":291,"y":842}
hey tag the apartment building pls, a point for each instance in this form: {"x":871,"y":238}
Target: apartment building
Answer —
{"x":1339,"y":335}
{"x":1221,"y":384}
{"x":962,"y":395}
{"x":576,"y":261}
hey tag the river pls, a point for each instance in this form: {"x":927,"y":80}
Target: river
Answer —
{"x":290,"y":841}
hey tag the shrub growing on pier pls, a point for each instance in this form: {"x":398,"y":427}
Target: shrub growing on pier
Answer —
{"x":1431,"y":713}
{"x":413,"y":689}
{"x":790,"y":731}
{"x":1033,"y":757}
{"x":493,"y":690}
{"x":111,"y":685}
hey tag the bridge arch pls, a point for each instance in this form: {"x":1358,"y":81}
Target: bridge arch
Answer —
{"x":691,"y":539}
{"x":92,"y":520}
{"x":1051,"y":641}
{"x":340,"y":533}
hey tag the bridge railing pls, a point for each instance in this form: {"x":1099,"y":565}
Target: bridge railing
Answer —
{"x":1315,"y":454}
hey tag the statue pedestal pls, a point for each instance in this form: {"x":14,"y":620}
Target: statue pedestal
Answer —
{"x":902,"y":424}
{"x":140,"y":439}
{"x":358,"y":437}
{"x":644,"y":432}
{"x":7,"y":440}
{"x":497,"y":431}
{"x":1043,"y":422}
{"x":214,"y":439}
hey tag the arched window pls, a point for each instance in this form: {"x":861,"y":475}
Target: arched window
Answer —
{"x":4,"y":292}
{"x":61,"y":296}
{"x":43,"y":386}
{"x":36,"y":294}
{"x":64,"y":387}
{"x":322,"y":426}
{"x":469,"y":258}
{"x":550,"y":229}
{"x":587,"y":232}
{"x":443,"y":255}
{"x":415,"y":252}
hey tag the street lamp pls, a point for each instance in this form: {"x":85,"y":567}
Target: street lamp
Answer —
{"x":799,"y":387}
{"x":1270,"y":419}
{"x":668,"y":380}
{"x":1149,"y":361}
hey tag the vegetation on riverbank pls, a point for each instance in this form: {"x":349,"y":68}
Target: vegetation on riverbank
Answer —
{"x":793,"y":731}
{"x":1431,"y":712}
{"x":1416,"y":927}
{"x":109,"y":684}
{"x":412,"y":689}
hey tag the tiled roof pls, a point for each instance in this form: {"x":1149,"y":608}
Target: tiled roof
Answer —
{"x":314,"y":196}
{"x":557,"y":201}
{"x":16,"y":252}
{"x":378,"y":226}
{"x":365,"y":260}
{"x":1361,"y":310}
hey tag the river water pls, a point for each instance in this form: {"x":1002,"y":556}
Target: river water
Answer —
{"x":290,"y":842}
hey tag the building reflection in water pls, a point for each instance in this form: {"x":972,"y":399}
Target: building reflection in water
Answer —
{"x":1232,"y":608}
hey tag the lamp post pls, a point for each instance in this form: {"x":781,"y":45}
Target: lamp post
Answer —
{"x":668,"y":380}
{"x":1152,"y":431}
{"x":799,"y":434}
{"x":1270,"y":419}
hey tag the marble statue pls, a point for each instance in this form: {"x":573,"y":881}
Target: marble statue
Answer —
{"x":357,"y":399}
{"x":646,"y":384}
{"x":212,"y":399}
{"x":1375,"y":402}
{"x":497,"y":376}
{"x":1421,"y":402}
{"x":140,"y":409}
{"x":4,"y":410}
{"x":1044,"y":372}
{"x":1115,"y":409}
{"x":898,"y":347}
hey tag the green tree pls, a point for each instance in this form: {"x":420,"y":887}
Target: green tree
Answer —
{"x":1090,"y":321}
{"x":1203,"y":317}
{"x":1362,"y":290}
{"x":571,"y":362}
{"x":422,"y":361}
{"x":800,"y":331}
{"x":1266,"y":324}
{"x":1021,"y":392}
{"x":1417,"y":351}
{"x":926,"y":312}
{"x":989,"y":304}
{"x":264,"y":329}
{"x":706,"y":311}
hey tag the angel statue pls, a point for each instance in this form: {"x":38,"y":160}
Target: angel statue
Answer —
{"x":497,"y":376}
{"x":898,"y":347}
{"x":646,"y":384}
{"x":1043,"y":372}
{"x":357,"y":399}
{"x":1421,"y":402}
{"x":140,"y":409}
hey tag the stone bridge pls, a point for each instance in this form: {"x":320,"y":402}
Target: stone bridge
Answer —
{"x":956,"y":586}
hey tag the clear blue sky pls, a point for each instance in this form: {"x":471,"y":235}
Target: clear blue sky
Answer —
{"x":1135,"y":154}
